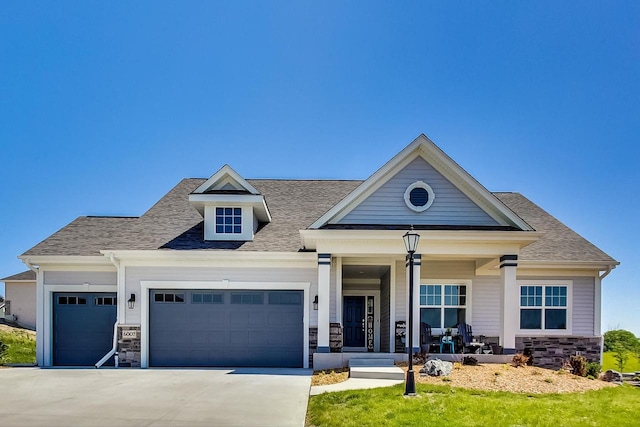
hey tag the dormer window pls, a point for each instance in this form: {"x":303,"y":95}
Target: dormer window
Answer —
{"x":232,"y":208}
{"x":228,"y":220}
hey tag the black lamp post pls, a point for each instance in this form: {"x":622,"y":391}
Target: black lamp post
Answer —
{"x":411,"y":244}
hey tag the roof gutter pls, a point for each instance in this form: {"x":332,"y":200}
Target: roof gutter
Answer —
{"x":31,"y":267}
{"x":114,"y":347}
{"x":607,"y":271}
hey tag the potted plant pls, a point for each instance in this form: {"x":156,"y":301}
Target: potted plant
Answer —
{"x":448,"y":332}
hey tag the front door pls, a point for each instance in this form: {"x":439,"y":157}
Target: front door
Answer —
{"x":354,"y":321}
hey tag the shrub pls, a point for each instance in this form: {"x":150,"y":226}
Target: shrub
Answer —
{"x":519,"y":360}
{"x":621,"y":354}
{"x":3,"y":352}
{"x":593,"y":369}
{"x":470,"y":361}
{"x":529,"y":353}
{"x":578,"y":365}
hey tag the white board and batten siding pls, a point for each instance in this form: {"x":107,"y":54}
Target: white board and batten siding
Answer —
{"x":267,"y":276}
{"x":387,"y":206}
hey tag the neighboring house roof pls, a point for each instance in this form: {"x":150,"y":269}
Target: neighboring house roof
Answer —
{"x":28,"y":275}
{"x":173,"y":223}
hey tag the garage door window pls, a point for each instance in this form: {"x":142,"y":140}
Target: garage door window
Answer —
{"x":169,"y":297}
{"x":72,"y":301}
{"x":285,"y":298}
{"x":247,"y":298}
{"x":207,"y":298}
{"x":105,"y":301}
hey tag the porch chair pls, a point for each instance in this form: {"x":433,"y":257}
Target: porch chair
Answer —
{"x":427,"y":341}
{"x":466,"y":334}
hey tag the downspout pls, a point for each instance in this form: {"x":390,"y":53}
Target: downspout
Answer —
{"x":30,"y":266}
{"x":606,"y":273}
{"x":114,"y":348}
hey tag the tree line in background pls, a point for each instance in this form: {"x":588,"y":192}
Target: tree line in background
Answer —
{"x":622,"y":344}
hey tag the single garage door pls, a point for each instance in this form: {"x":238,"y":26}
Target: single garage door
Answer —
{"x":226,"y":328}
{"x":82,"y":327}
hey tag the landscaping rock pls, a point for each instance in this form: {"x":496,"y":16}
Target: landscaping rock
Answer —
{"x":612,"y":376}
{"x":437,"y":368}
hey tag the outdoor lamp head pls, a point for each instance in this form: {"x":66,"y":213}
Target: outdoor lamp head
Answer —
{"x":411,"y":239}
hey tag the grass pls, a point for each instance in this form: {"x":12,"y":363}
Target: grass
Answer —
{"x":447,"y":406}
{"x":21,"y":346}
{"x":609,"y":362}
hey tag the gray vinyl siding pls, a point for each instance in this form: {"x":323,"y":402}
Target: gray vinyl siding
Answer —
{"x":583,"y":305}
{"x":485,"y":305}
{"x":80,"y":277}
{"x":386,"y":205}
{"x":384,"y":312}
{"x":583,"y":302}
{"x":274,"y":275}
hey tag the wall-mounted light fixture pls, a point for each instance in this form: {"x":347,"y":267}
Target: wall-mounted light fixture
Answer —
{"x":315,"y":303}
{"x":132,"y":301}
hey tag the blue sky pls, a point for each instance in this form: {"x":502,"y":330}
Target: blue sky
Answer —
{"x":104,"y":106}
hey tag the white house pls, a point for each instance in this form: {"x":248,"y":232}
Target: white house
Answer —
{"x":229,"y":271}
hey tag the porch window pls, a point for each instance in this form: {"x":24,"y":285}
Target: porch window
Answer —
{"x":443,"y":306}
{"x":543,"y":307}
{"x":229,"y":220}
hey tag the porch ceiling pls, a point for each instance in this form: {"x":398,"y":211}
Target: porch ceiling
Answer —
{"x":364,"y":271}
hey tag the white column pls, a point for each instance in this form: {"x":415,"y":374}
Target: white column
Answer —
{"x":417,"y":266}
{"x":417,"y":261}
{"x":40,"y":313}
{"x":509,"y":308}
{"x":324,"y":279}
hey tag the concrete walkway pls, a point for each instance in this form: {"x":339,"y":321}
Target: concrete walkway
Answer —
{"x":353,"y":384}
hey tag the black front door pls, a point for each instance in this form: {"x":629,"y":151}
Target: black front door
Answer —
{"x":354,"y":321}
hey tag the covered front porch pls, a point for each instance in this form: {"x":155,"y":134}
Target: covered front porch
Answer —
{"x":366,"y":306}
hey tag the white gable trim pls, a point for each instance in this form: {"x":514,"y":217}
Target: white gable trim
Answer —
{"x":226,"y":175}
{"x":425,"y":148}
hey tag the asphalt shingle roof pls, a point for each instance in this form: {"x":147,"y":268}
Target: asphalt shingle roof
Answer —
{"x":174,"y":224}
{"x":25,"y":275}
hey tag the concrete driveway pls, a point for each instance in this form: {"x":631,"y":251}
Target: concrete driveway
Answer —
{"x":154,"y":397}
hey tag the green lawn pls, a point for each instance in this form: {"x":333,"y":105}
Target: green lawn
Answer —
{"x":21,"y":346}
{"x":608,"y":362}
{"x":446,"y":406}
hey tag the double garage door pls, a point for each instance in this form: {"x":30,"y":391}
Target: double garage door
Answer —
{"x":226,"y":328}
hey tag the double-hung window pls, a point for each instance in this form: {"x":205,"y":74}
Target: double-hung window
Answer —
{"x":228,"y":220}
{"x":443,"y":305}
{"x":544,"y":306}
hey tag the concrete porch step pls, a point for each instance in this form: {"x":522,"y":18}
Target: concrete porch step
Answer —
{"x":377,"y":372}
{"x":371,"y":362}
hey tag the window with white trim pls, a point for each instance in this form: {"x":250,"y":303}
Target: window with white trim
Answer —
{"x":443,"y":306}
{"x":228,"y":220}
{"x":544,"y":307}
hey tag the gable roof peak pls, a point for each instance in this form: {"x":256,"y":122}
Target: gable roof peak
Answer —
{"x":226,"y":179}
{"x":426,"y":149}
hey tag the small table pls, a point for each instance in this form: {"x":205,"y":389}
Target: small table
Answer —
{"x":476,"y":346}
{"x":447,"y":340}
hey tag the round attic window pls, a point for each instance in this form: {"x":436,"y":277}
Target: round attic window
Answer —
{"x":419,"y":196}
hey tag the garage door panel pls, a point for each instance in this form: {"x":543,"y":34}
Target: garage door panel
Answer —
{"x":243,"y":328}
{"x":82,"y":327}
